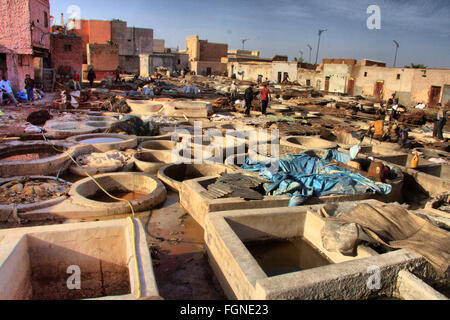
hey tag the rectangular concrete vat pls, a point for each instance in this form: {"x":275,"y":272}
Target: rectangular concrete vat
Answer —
{"x":199,"y":206}
{"x":35,"y":262}
{"x":346,"y":277}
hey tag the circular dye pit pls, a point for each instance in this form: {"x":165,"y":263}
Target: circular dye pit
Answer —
{"x":63,"y":130}
{"x":159,"y":145}
{"x":31,"y":193}
{"x":106,"y":141}
{"x":174,"y":174}
{"x":32,"y":158}
{"x":152,"y":161}
{"x":142,"y":190}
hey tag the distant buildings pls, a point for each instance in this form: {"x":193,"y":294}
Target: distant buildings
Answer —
{"x":365,"y":77}
{"x":205,"y":58}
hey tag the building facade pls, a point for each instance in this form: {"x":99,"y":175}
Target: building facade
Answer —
{"x":66,"y":53}
{"x":205,"y":58}
{"x":24,"y":40}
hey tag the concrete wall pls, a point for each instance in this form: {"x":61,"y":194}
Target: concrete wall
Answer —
{"x":411,"y":88}
{"x":204,"y":55}
{"x":280,"y":66}
{"x":104,"y":58}
{"x":129,"y":63}
{"x":339,"y":75}
{"x":314,"y":78}
{"x":251,"y":70}
{"x":172,"y":61}
{"x":201,"y":67}
{"x":93,"y":31}
{"x":60,"y":57}
{"x":131,"y":41}
{"x":40,"y":16}
{"x":159,"y":46}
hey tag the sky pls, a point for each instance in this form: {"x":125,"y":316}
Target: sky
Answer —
{"x":286,"y":27}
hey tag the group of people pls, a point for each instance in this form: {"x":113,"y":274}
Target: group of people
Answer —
{"x":6,"y":91}
{"x":264,"y":95}
{"x":394,"y":132}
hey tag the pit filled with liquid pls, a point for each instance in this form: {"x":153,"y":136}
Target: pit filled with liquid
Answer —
{"x":281,"y":256}
{"x":125,"y":195}
{"x":101,"y":140}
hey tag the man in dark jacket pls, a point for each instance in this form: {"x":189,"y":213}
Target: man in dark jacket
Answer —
{"x":29,"y":86}
{"x":248,"y":99}
{"x":91,"y":77}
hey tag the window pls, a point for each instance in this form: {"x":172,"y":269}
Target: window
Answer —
{"x":365,"y":74}
{"x":398,"y":76}
{"x":67,"y":48}
{"x":22,"y":61}
{"x":45,"y":19}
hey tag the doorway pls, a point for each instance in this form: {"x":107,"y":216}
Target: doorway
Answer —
{"x":378,"y":91}
{"x":208,"y":71}
{"x":327,"y":84}
{"x":434,"y":95}
{"x":351,"y":87}
{"x":280,"y":75}
{"x":3,"y":68}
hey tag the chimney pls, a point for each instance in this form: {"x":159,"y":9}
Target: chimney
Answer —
{"x":62,"y":19}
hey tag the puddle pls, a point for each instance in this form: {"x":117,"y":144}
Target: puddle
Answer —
{"x":126,"y":195}
{"x":101,"y":140}
{"x":279,"y":256}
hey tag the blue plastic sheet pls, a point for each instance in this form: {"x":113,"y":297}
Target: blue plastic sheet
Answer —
{"x":302,"y":176}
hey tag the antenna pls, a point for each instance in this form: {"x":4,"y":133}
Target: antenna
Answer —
{"x":243,"y":43}
{"x":397,"y":45}
{"x":318,"y":45}
{"x":310,"y":51}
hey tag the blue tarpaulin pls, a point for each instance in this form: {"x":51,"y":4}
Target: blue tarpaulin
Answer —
{"x":302,"y":176}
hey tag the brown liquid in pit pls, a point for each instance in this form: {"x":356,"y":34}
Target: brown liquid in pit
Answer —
{"x":278,"y":257}
{"x":125,"y":195}
{"x":28,"y":156}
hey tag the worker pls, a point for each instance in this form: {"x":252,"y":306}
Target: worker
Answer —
{"x":76,"y":81}
{"x":378,"y":126}
{"x":6,"y":90}
{"x":117,"y":74}
{"x":29,"y":86}
{"x":248,"y":99}
{"x":403,"y":135}
{"x":286,"y":78}
{"x":91,"y":76}
{"x":260,"y":79}
{"x":441,"y":120}
{"x":233,"y":91}
{"x":265,"y":96}
{"x":394,"y":131}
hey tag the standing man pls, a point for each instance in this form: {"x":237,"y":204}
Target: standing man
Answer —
{"x":5,"y":88}
{"x":438,"y":131}
{"x":248,"y":99}
{"x":29,"y":86}
{"x":117,"y":75}
{"x":265,"y":96}
{"x":91,"y":76}
{"x":76,"y":81}
{"x":233,"y":91}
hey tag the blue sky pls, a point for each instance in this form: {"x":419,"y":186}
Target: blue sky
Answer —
{"x":422,"y":27}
